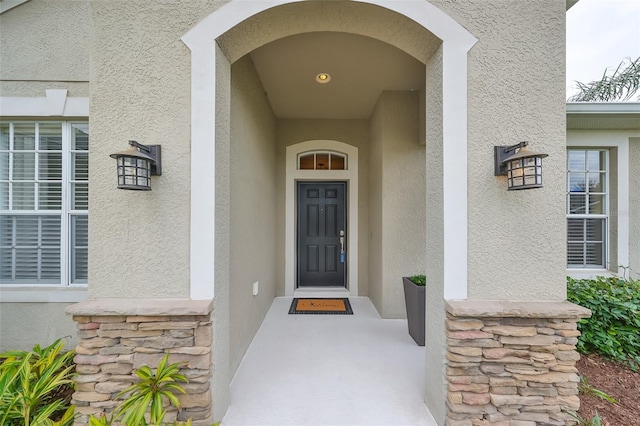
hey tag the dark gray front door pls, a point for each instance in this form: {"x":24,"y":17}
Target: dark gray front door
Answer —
{"x":321,"y":223}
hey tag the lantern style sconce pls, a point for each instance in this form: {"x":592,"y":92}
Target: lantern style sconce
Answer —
{"x":522,"y":167}
{"x":137,"y":164}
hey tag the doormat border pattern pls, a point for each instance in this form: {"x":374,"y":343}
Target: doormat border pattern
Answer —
{"x":294,"y":306}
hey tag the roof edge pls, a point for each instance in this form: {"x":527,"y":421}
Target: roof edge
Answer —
{"x":603,"y":108}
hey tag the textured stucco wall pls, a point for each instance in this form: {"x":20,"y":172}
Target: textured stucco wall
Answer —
{"x":45,"y":45}
{"x":221,"y":350}
{"x":634,"y":207}
{"x":352,"y":132}
{"x":37,"y":88}
{"x":24,"y":325}
{"x":253,"y":206}
{"x":435,"y":342}
{"x":403,"y":198}
{"x":342,"y":16}
{"x":397,"y":200}
{"x":515,"y":92}
{"x":376,"y":130}
{"x":140,"y":86}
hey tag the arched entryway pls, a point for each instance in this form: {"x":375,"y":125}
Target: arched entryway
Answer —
{"x":240,"y":27}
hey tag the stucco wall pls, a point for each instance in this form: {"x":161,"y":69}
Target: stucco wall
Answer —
{"x":435,"y":342}
{"x":397,"y":196}
{"x":24,"y":325}
{"x":352,"y":132}
{"x":376,"y":293}
{"x":253,"y":203}
{"x":634,"y":206}
{"x":343,"y":16}
{"x":45,"y":45}
{"x":516,"y":74}
{"x":403,"y":198}
{"x":221,"y":350}
{"x":515,"y":93}
{"x":140,"y":86}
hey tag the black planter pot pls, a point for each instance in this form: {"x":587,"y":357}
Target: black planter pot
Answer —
{"x":414,"y":299}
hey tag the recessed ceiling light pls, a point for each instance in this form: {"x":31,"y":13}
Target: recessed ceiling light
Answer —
{"x":323,"y":78}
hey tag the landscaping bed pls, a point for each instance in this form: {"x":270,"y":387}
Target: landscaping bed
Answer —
{"x":610,"y":347}
{"x":616,"y":381}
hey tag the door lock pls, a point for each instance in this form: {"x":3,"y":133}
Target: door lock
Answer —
{"x":342,"y":255}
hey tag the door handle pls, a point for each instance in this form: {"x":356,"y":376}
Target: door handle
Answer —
{"x":342,"y":255}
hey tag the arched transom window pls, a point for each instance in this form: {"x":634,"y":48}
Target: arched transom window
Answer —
{"x":322,"y":160}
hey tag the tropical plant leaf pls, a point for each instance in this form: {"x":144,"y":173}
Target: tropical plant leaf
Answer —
{"x":619,"y":86}
{"x":31,"y":385}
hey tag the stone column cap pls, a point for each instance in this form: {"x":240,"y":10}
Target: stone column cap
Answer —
{"x":486,"y":308}
{"x":140,"y":307}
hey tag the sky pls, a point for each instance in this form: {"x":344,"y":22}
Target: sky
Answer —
{"x":600,"y":34}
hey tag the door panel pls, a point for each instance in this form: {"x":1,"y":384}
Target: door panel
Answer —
{"x":321,"y":217}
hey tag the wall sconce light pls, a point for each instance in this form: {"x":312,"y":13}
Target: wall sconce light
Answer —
{"x":522,"y":167}
{"x":137,"y":164}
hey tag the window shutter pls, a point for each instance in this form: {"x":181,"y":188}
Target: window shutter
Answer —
{"x":79,"y":248}
{"x":30,"y":249}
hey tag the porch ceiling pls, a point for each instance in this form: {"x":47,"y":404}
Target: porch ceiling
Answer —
{"x":360,"y":68}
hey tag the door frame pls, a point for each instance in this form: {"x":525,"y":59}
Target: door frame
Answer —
{"x":350,"y":176}
{"x":346,"y":227}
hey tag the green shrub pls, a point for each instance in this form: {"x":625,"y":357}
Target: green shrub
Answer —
{"x":36,"y":386}
{"x":149,"y":393}
{"x":420,"y":280}
{"x":614,"y":327}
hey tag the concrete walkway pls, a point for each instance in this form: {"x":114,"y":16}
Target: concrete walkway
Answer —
{"x":330,"y":370}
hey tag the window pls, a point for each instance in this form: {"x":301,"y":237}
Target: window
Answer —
{"x":44,"y":188}
{"x":322,"y":160}
{"x":587,"y":208}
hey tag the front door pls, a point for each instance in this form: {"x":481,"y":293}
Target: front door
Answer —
{"x":322,"y":232}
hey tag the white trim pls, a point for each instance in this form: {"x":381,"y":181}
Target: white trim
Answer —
{"x":40,"y":294}
{"x":56,"y":99}
{"x":203,"y":173}
{"x":454,"y":164}
{"x":609,"y":139}
{"x":457,"y":42}
{"x":53,"y":105}
{"x":351,"y":177}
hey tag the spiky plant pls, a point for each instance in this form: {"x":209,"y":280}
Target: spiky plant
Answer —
{"x":619,"y":86}
{"x":35,"y":386}
{"x":149,"y":393}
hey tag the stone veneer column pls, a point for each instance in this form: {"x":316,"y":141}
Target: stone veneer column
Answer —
{"x":512,"y":363}
{"x":117,"y":336}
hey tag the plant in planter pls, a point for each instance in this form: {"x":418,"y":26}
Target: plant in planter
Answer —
{"x":414,"y":299}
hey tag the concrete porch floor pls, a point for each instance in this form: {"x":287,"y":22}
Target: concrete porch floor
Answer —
{"x":330,"y":370}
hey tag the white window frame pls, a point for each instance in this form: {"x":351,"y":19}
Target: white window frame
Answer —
{"x":55,"y":106}
{"x":607,"y":211}
{"x":607,"y":140}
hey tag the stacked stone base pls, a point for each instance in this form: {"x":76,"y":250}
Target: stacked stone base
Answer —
{"x":512,"y":364}
{"x":118,"y":336}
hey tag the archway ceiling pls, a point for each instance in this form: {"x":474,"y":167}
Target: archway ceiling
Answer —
{"x":360,"y":68}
